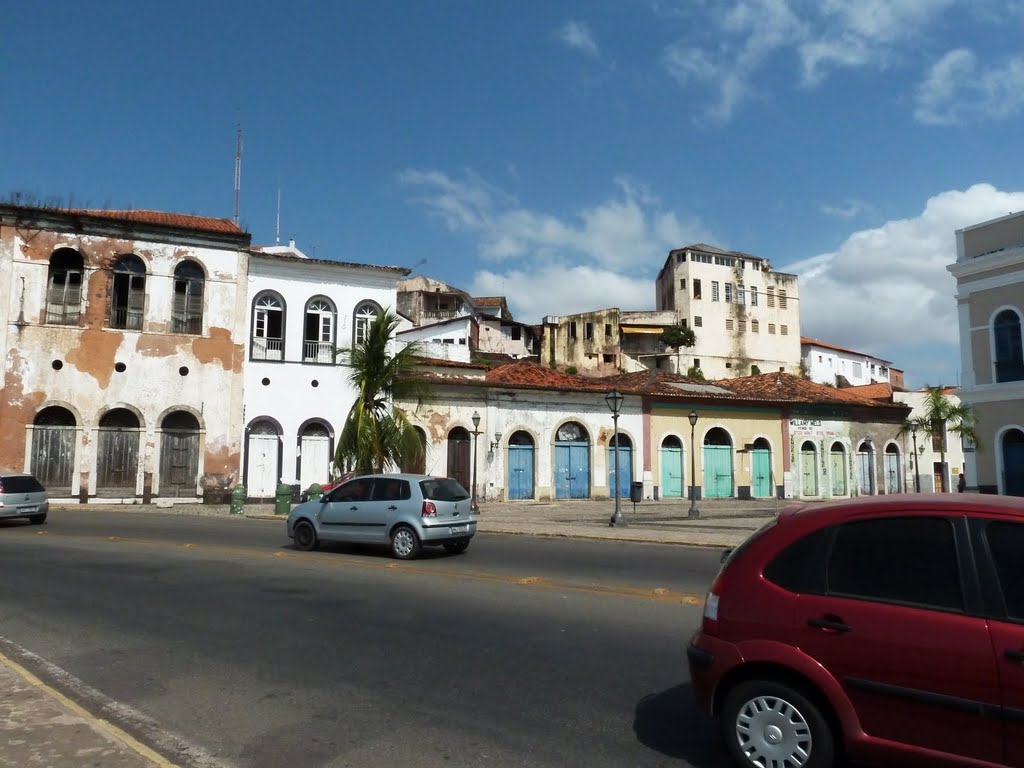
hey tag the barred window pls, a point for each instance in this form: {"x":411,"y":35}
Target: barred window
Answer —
{"x":771,"y":296}
{"x":755,"y":326}
{"x":187,"y":312}
{"x":728,"y":323}
{"x":698,"y":322}
{"x":714,"y":290}
{"x":771,"y":328}
{"x":782,"y":299}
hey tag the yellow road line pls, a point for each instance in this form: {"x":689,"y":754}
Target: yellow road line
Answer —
{"x":655,"y":594}
{"x":99,"y":723}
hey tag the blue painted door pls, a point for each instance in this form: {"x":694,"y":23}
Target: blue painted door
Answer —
{"x":671,"y":472}
{"x":625,"y":470}
{"x":572,"y":470}
{"x":761,"y":471}
{"x":717,"y":471}
{"x":520,"y":472}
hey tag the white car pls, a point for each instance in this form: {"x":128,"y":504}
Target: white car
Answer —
{"x":21,"y":495}
{"x":404,"y":511}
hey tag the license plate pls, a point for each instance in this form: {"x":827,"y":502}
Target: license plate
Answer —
{"x":27,"y":510}
{"x":459,"y":528}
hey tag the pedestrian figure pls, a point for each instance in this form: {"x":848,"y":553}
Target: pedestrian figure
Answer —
{"x":961,"y":483}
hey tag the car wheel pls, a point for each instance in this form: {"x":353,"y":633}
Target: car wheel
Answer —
{"x":766,"y":723}
{"x":304,"y":536}
{"x":37,"y":519}
{"x":405,"y":545}
{"x":456,"y":547}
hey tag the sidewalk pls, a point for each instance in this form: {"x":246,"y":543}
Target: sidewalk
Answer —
{"x":40,"y":726}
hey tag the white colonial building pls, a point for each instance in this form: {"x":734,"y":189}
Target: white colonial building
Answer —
{"x":838,"y":366}
{"x":301,"y":313}
{"x":745,"y":315}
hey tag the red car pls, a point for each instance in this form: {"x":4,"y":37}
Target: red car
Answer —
{"x":886,"y":630}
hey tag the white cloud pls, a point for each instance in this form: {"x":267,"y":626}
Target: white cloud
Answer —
{"x":848,"y":209}
{"x":726,"y":47}
{"x":623,"y":231}
{"x":958,"y":90}
{"x":578,"y":36}
{"x":887,"y":288}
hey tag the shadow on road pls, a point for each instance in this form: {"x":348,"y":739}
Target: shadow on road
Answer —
{"x":670,"y":723}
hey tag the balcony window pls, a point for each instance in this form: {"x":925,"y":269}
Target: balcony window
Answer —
{"x":267,"y":327}
{"x":365,"y":314}
{"x":187,"y":312}
{"x":318,"y":337}
{"x":64,"y":287}
{"x":128,"y":293}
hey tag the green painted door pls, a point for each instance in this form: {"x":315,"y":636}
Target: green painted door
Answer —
{"x":838,"y":471}
{"x":809,"y":468}
{"x":671,"y":472}
{"x":761,"y":471}
{"x":718,"y":471}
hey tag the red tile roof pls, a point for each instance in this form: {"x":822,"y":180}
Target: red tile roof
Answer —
{"x":161,"y":218}
{"x":880,"y":390}
{"x":488,"y":301}
{"x":531,"y":375}
{"x":785,"y":387}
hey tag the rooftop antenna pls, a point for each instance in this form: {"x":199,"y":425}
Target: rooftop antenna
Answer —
{"x":238,"y":167}
{"x":277,"y":226}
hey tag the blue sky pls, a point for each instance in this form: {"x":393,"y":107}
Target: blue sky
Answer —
{"x":552,"y":152}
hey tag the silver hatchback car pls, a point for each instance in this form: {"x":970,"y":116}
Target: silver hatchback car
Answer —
{"x":21,"y":495}
{"x":403,"y":511}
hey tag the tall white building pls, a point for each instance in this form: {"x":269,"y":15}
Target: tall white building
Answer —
{"x":746,"y":316}
{"x":838,"y":366}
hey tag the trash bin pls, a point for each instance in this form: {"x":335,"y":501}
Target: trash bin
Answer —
{"x":636,"y":492}
{"x":283,"y":499}
{"x":314,"y":492}
{"x":237,"y":499}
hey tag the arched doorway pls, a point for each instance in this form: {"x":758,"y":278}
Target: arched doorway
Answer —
{"x":315,"y":451}
{"x":117,"y":453}
{"x":718,"y":468}
{"x":808,"y":469}
{"x":54,"y":435}
{"x":179,"y":454}
{"x":761,"y":469}
{"x":459,"y":457}
{"x":572,"y":461}
{"x":671,"y":457}
{"x":865,"y":469}
{"x":625,"y":478}
{"x":892,"y":469}
{"x":520,"y":466}
{"x":417,"y":464}
{"x":1013,"y":462}
{"x":262,"y":460}
{"x":837,"y":468}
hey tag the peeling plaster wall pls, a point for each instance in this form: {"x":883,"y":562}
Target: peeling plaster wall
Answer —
{"x":538,"y":413}
{"x":75,"y":365}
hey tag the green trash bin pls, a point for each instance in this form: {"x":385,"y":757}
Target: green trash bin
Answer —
{"x":314,"y":492}
{"x":237,"y":499}
{"x":283,"y":500}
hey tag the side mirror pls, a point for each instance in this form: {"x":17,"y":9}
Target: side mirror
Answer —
{"x":725,"y":555}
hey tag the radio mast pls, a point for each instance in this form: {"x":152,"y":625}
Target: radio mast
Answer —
{"x":238,"y":167}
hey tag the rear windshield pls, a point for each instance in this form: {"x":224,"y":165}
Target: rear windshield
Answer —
{"x":21,"y":484}
{"x":443,"y":489}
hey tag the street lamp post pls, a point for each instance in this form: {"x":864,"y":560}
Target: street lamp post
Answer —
{"x":476,"y":433}
{"x":694,"y":512}
{"x":614,"y":400}
{"x":917,"y":468}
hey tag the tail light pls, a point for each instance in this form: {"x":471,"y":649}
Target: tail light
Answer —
{"x":429,"y":510}
{"x":710,"y":624}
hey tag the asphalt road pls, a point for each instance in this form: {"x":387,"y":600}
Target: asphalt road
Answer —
{"x":521,"y":651}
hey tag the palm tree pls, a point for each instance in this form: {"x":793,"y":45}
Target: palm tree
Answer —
{"x":940,"y":415}
{"x":377,"y":435}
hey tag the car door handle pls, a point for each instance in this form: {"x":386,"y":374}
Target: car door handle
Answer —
{"x":1014,"y":655}
{"x":392,"y":508}
{"x":832,"y":625}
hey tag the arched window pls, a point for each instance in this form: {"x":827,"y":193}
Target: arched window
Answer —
{"x":366,"y":312}
{"x":64,"y":287}
{"x":128,"y":293}
{"x":1008,"y":350}
{"x":267,"y":327}
{"x":318,"y":337}
{"x":187,"y":312}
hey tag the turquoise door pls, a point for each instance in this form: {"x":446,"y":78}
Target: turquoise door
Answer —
{"x":625,"y":469}
{"x":572,"y":470}
{"x":761,"y":471}
{"x":520,"y":472}
{"x":838,"y":470}
{"x":671,"y":472}
{"x":718,"y":471}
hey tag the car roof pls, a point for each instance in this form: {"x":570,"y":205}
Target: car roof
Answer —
{"x":837,"y":511}
{"x":400,"y":475}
